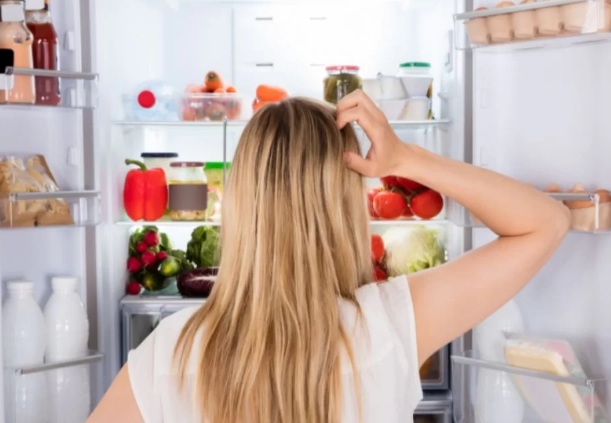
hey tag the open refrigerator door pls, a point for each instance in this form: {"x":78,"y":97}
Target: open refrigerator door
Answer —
{"x":539,"y":115}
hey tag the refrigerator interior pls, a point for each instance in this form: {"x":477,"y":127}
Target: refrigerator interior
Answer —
{"x":541,"y":116}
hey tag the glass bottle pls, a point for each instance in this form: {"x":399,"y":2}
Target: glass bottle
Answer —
{"x":46,"y":54}
{"x":15,"y":51}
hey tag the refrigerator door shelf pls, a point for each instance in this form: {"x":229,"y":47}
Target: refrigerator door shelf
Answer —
{"x":78,"y":90}
{"x":534,"y":25}
{"x":434,"y":408}
{"x":520,"y":393}
{"x":47,"y":209}
{"x":92,"y":357}
{"x":589,"y":213}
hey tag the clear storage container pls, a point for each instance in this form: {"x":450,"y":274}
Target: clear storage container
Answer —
{"x":188,"y":191}
{"x":215,"y":174}
{"x":211,"y":107}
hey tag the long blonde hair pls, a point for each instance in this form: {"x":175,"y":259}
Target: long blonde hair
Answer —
{"x":294,"y":240}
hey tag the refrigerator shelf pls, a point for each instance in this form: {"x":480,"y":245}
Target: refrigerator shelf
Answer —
{"x":588,"y":213}
{"x":92,"y":357}
{"x":535,"y":25}
{"x":48,"y":209}
{"x":168,"y":223}
{"x":538,"y":393}
{"x":77,"y":90}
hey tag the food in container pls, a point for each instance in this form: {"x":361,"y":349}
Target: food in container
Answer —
{"x":20,"y":174}
{"x":416,"y":78}
{"x":478,"y":29}
{"x":500,"y":25}
{"x":586,"y":216}
{"x":524,"y":23}
{"x":215,"y":177}
{"x":15,"y":51}
{"x":211,"y":107}
{"x":416,"y":108}
{"x":188,"y":191}
{"x":341,"y":80}
{"x":548,"y":21}
{"x":392,"y":108}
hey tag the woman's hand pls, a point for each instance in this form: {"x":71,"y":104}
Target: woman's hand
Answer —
{"x":387,"y":152}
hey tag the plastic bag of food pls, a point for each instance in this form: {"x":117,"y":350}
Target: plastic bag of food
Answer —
{"x":29,"y":174}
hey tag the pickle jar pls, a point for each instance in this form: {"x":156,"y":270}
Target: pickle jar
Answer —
{"x":188,"y":191}
{"x":341,"y":81}
{"x":215,"y":175}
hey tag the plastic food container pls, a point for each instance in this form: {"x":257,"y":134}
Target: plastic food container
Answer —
{"x":416,"y":79}
{"x":154,"y":160}
{"x":341,"y":80}
{"x":373,"y":88}
{"x":392,"y":88}
{"x":211,"y":107}
{"x":215,"y":177}
{"x":411,"y":109}
{"x":188,"y":191}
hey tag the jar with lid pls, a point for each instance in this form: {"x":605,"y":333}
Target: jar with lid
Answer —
{"x":188,"y":191}
{"x":340,"y":81}
{"x":161,"y":160}
{"x":215,"y":175}
{"x":15,"y":51}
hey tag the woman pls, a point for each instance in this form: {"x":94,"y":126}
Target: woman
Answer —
{"x":294,"y":331}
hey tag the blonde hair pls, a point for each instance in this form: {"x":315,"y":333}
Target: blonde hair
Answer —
{"x":294,"y":240}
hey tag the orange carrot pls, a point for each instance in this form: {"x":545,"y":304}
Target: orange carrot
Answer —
{"x":220,"y":90}
{"x":213,"y":81}
{"x":258,"y":105}
{"x":271,"y":93}
{"x":231,"y":89}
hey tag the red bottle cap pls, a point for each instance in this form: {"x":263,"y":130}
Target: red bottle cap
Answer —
{"x":146,"y":99}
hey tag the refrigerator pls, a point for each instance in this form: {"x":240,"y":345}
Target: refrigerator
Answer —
{"x":533,"y":109}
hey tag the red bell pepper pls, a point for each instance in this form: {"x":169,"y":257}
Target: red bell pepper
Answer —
{"x":145,"y":193}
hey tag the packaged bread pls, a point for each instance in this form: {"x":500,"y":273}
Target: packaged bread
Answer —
{"x":548,"y":21}
{"x":500,"y":25}
{"x":29,"y":174}
{"x":588,"y":215}
{"x":524,"y":23}
{"x":553,"y":401}
{"x":478,"y":29}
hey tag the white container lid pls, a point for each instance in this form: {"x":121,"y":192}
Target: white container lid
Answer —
{"x":63,"y":283}
{"x":23,"y":287}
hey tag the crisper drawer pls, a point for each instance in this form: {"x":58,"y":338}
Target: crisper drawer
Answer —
{"x":434,"y":408}
{"x":141,"y":315}
{"x":435,"y":372}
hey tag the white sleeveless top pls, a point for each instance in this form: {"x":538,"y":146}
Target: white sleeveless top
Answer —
{"x":384,"y":348}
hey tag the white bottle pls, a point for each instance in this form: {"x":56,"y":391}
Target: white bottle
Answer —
{"x":67,"y":324}
{"x":23,"y":345}
{"x":67,"y":337}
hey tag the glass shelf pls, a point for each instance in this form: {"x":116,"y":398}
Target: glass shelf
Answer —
{"x":536,"y":25}
{"x":91,"y":358}
{"x":528,"y":394}
{"x":167,"y":223}
{"x":408,"y":222}
{"x":78,"y":90}
{"x":593,"y":218}
{"x":49,"y":209}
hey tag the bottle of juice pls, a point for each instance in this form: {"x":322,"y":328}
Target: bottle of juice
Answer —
{"x":46,"y":54}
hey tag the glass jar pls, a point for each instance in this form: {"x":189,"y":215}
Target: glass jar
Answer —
{"x":188,"y":191}
{"x":341,"y":81}
{"x":15,"y":51}
{"x":215,"y":175}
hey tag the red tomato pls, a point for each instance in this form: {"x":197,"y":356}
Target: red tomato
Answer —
{"x":408,"y":212}
{"x":379,"y":275}
{"x":407,"y":185}
{"x":377,"y":248}
{"x":371,"y":194}
{"x":427,"y":204}
{"x":389,"y":182}
{"x":389,"y":205}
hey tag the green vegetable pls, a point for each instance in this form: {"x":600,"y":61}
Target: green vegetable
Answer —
{"x":170,"y":267}
{"x":202,"y":249}
{"x":152,"y":281}
{"x":409,"y":250}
